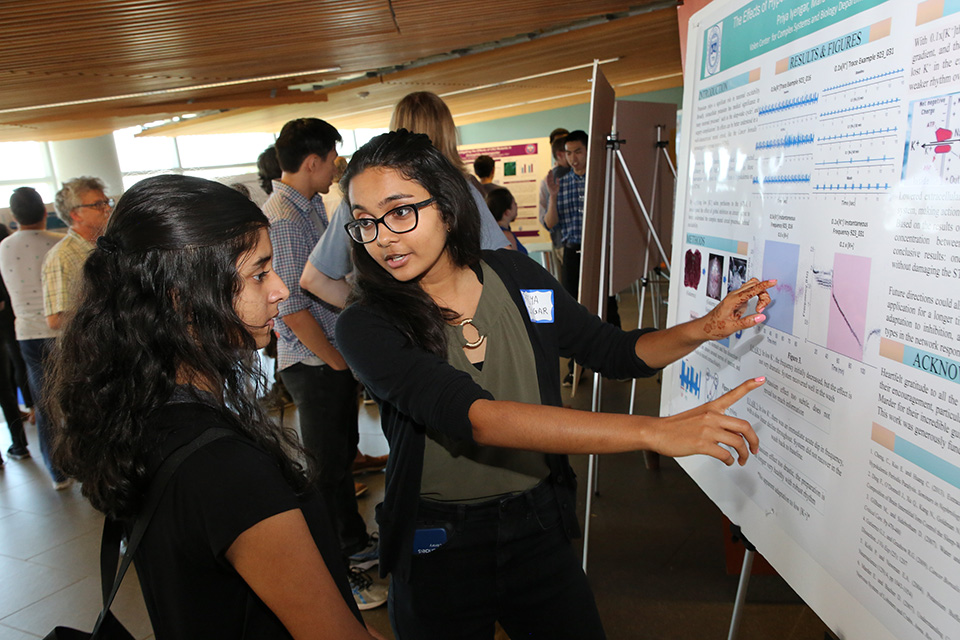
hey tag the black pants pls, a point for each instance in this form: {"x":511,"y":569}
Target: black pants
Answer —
{"x":11,"y":348}
{"x":326,"y":400}
{"x":506,"y":560}
{"x":13,"y":373}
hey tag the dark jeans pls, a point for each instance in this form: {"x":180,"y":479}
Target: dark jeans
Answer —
{"x":326,"y":401}
{"x":570,"y":270}
{"x":506,"y":560}
{"x":34,"y":354}
{"x":570,"y":279}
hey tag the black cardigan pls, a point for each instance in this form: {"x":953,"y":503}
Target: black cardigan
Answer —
{"x":415,"y":388}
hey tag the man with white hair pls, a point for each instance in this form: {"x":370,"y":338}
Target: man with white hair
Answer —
{"x":85,"y":208}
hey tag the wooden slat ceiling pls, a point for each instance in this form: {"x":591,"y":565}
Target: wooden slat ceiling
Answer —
{"x":58,"y":52}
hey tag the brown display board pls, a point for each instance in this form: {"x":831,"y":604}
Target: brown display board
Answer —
{"x":601,"y":122}
{"x":636,"y":124}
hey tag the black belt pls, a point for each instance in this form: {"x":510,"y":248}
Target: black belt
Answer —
{"x":540,"y":498}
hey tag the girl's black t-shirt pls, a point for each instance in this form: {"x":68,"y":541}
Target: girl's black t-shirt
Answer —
{"x":217,"y":493}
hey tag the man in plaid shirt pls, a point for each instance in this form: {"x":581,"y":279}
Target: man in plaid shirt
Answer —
{"x":310,"y":366}
{"x":565,"y":211}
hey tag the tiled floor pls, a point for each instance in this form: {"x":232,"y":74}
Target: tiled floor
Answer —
{"x":49,"y":556}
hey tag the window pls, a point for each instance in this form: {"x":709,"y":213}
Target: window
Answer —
{"x":25,"y":164}
{"x":209,"y":156}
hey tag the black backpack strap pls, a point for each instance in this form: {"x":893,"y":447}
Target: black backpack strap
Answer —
{"x":113,"y":530}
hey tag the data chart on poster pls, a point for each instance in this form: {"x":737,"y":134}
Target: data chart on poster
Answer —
{"x":821,"y":147}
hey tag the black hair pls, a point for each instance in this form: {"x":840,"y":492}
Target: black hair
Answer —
{"x":499,"y":201}
{"x":156,"y":310}
{"x":484,"y":166}
{"x":411,"y":154}
{"x":301,"y":137}
{"x":27,"y":206}
{"x":577,"y":136}
{"x":268,"y":169}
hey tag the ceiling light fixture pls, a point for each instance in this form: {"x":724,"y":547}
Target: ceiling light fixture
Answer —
{"x":525,"y":78}
{"x":161,"y":92}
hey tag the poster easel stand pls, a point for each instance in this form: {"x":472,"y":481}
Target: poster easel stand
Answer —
{"x":613,"y":143}
{"x":744,"y":581}
{"x":650,"y":278}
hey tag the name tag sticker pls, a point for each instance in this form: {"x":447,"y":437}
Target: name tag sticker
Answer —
{"x":539,"y":304}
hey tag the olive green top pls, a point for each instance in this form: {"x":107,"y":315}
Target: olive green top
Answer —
{"x":465,"y":471}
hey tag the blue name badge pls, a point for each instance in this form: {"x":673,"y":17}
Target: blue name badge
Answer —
{"x":539,"y":304}
{"x":427,"y":540}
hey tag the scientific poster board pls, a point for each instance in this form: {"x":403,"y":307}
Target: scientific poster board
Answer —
{"x":821,"y":146}
{"x":520,"y":166}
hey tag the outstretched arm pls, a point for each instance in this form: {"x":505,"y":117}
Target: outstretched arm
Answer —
{"x":660,"y":348}
{"x":700,"y":430}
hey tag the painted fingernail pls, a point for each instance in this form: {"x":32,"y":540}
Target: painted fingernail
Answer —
{"x":760,"y":379}
{"x":759,"y":318}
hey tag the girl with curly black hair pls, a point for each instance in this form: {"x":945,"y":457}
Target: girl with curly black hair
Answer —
{"x":175,"y":299}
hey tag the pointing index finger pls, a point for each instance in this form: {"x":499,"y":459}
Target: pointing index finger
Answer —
{"x":730,"y":398}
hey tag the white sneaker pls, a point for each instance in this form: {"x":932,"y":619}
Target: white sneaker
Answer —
{"x":367,"y":593}
{"x":60,"y":485}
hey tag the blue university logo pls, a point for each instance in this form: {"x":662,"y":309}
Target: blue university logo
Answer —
{"x":714,"y":37}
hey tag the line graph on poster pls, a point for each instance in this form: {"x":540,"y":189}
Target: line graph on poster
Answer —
{"x":837,"y":296}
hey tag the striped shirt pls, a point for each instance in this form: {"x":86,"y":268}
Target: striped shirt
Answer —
{"x":62,"y":270}
{"x":296,"y":225}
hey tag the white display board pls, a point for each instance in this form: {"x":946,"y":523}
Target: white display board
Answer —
{"x":520,"y":166}
{"x":821,"y":146}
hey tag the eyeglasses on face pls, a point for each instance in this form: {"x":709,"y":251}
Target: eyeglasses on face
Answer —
{"x":402,"y":219}
{"x":99,"y":204}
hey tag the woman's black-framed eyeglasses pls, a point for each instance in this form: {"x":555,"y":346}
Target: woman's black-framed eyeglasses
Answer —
{"x":402,"y":219}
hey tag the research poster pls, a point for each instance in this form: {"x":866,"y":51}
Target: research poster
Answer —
{"x":520,"y":166}
{"x":821,"y":146}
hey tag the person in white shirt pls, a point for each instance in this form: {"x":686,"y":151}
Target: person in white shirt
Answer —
{"x":21,"y":260}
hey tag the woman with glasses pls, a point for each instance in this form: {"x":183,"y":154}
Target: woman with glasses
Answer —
{"x":460,"y":349}
{"x":175,"y":298}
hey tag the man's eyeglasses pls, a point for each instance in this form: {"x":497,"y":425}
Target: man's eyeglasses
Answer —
{"x":402,"y":219}
{"x":99,"y":204}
